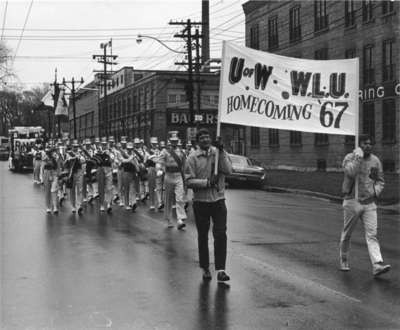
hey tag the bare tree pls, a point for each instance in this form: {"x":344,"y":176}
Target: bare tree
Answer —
{"x":5,"y":57}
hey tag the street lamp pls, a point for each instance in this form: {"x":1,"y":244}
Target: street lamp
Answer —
{"x":140,"y":37}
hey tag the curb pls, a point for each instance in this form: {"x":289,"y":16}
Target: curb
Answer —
{"x":392,"y":208}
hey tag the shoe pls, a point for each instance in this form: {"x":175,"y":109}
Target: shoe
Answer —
{"x":152,"y":208}
{"x":80,"y":210}
{"x":55,"y":211}
{"x":222,"y":277}
{"x":181,"y":224}
{"x":121,"y":204}
{"x":161,"y":206}
{"x":128,"y":208}
{"x":206,"y":275}
{"x":170,"y":224}
{"x":102,"y":209}
{"x":380,"y":268}
{"x":115,"y":199}
{"x":109,"y":209}
{"x":344,"y":265}
{"x":73,"y":210}
{"x":48,"y":211}
{"x":134,"y":206}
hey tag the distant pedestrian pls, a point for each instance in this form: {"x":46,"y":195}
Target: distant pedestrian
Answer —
{"x":367,"y":167}
{"x":209,"y":201}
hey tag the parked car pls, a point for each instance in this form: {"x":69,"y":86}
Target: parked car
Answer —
{"x":245,"y":171}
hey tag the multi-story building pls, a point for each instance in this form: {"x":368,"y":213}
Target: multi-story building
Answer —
{"x":151,"y":103}
{"x":321,"y":30}
{"x":86,"y":112}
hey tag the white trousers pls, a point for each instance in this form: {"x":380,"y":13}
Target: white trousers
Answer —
{"x":353,"y":211}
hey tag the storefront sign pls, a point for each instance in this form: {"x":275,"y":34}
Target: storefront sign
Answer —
{"x":184,"y":118}
{"x":377,"y":92}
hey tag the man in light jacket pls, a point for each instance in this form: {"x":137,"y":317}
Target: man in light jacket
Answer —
{"x":367,"y":167}
{"x":209,"y":200}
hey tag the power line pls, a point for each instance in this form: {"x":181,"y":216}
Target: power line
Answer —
{"x":23,"y":29}
{"x":4,"y":20}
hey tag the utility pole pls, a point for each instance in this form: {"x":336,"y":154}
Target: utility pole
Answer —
{"x":105,"y":59}
{"x":187,"y":34}
{"x":73,"y":90}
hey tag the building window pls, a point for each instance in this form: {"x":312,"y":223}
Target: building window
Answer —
{"x":273,"y":40}
{"x":128,"y":110}
{"x":349,"y":13}
{"x":367,"y":12}
{"x":254,"y":137}
{"x":321,"y":164}
{"x":294,"y":24}
{"x":182,"y":98}
{"x":172,"y":98}
{"x":389,"y":121}
{"x":254,"y":37}
{"x":122,"y":79}
{"x":387,"y":7}
{"x":369,"y":119}
{"x":215,"y":99}
{"x":320,"y":15}
{"x":273,"y":135}
{"x":295,"y":138}
{"x":321,"y":54}
{"x":349,"y":140}
{"x":387,"y":60}
{"x":368,"y":65}
{"x":321,"y":139}
{"x":350,"y":53}
{"x":388,"y":165}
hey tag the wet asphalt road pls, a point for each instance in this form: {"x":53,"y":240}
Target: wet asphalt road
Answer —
{"x":128,"y":271}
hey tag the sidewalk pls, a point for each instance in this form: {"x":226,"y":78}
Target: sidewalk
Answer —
{"x":392,"y":208}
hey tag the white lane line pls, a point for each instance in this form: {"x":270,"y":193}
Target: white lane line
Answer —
{"x":295,"y":278}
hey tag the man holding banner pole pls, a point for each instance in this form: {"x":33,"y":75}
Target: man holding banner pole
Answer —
{"x":318,"y":96}
{"x":367,"y":168}
{"x":209,"y":200}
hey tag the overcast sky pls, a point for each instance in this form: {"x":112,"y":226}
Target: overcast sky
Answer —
{"x":65,"y":34}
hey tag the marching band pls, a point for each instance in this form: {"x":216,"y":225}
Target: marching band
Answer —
{"x":117,"y":174}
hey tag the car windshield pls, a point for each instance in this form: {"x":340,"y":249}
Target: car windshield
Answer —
{"x":240,"y":160}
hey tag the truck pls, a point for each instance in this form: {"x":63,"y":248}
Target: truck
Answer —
{"x":23,"y":139}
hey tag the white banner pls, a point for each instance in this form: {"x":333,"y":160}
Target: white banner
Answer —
{"x":267,"y":90}
{"x":48,"y":99}
{"x":62,"y":105}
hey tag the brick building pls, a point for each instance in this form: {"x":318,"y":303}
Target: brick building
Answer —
{"x":144,"y":103}
{"x":369,"y":30}
{"x":87,"y":115}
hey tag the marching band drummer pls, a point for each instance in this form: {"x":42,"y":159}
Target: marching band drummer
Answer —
{"x":50,"y":180}
{"x":130,"y":168}
{"x":75,"y":176}
{"x":104,"y":177}
{"x":154,"y":174}
{"x":172,"y":160}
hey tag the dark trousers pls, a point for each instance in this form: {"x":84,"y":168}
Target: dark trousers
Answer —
{"x":203,"y":212}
